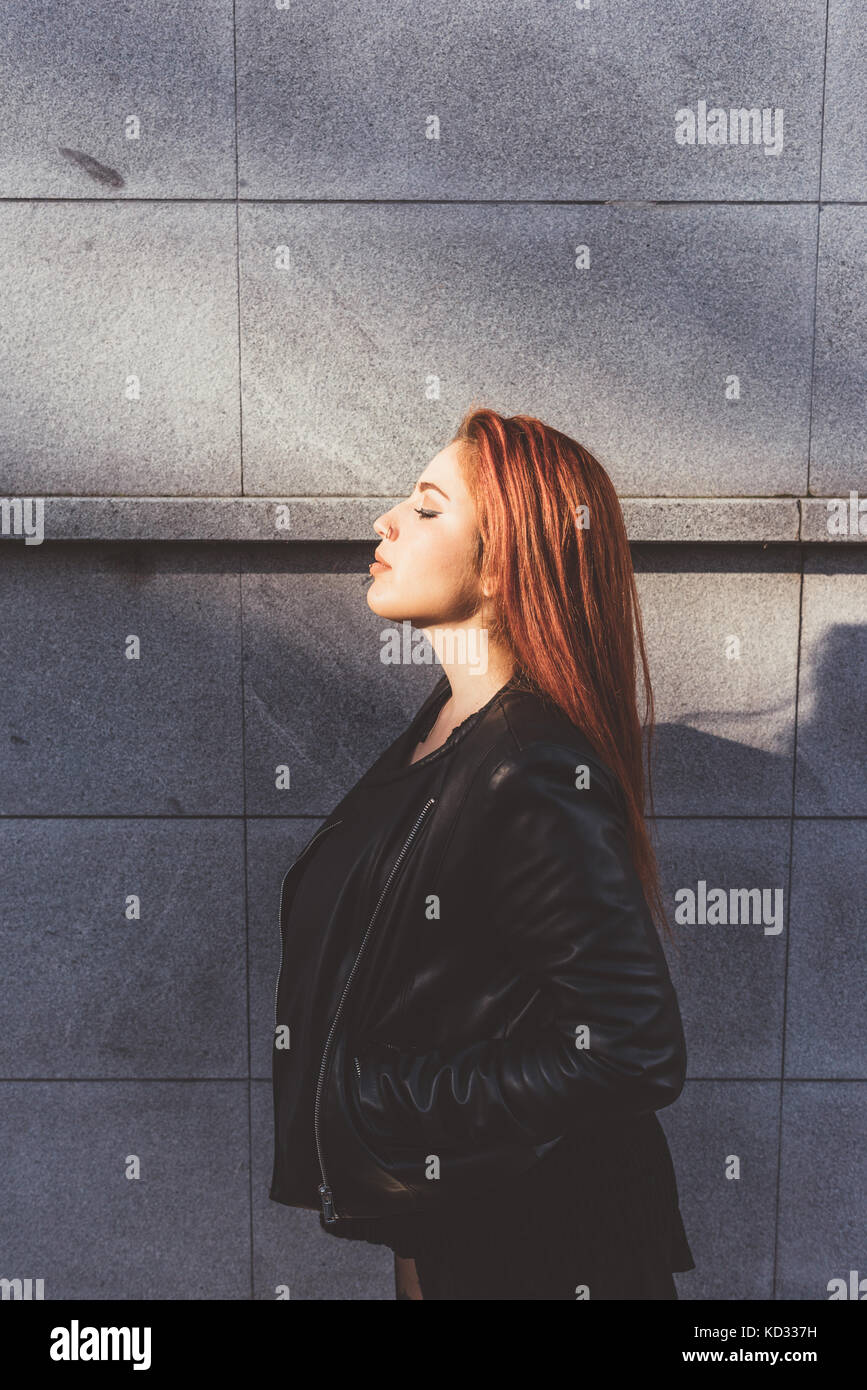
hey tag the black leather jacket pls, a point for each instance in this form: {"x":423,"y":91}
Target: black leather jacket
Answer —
{"x":538,"y":1004}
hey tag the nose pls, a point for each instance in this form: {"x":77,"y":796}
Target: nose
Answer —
{"x":382,"y":526}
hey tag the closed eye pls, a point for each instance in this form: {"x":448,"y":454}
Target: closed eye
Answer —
{"x":423,"y":512}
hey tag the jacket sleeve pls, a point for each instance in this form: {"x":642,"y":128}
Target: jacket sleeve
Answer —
{"x":571,"y":912}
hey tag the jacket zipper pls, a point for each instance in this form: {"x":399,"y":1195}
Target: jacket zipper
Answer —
{"x":325,"y":1193}
{"x":394,"y":1046}
{"x":310,"y":843}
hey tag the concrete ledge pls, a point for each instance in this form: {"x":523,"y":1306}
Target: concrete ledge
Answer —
{"x":711,"y":518}
{"x":667,"y":519}
{"x":817,"y":516}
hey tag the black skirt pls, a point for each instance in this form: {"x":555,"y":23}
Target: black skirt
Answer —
{"x":596,"y":1218}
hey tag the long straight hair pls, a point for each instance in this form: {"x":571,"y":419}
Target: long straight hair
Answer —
{"x":553,"y":542}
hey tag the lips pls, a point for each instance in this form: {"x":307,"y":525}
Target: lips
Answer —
{"x":378,"y":565}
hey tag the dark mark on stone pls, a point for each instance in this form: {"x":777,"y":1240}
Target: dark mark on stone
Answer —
{"x":100,"y":172}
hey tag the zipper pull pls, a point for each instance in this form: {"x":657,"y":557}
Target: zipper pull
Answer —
{"x":327,"y":1202}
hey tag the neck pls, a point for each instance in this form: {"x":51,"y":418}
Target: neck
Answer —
{"x":475,"y":665}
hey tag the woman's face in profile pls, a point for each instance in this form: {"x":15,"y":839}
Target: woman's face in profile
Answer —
{"x":430,"y":580}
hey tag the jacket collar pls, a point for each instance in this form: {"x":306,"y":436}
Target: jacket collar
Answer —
{"x":392,"y":764}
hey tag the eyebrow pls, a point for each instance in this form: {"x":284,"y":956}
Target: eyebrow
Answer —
{"x":425,"y":486}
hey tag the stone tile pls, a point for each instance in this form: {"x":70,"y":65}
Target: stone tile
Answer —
{"x":272,"y":848}
{"x":827,"y":975}
{"x":838,"y":458}
{"x":292,"y":1256}
{"x":400,"y":316}
{"x":92,"y":732}
{"x":92,"y":993}
{"x":831,"y":771}
{"x":723,"y":1141}
{"x":117,"y":101}
{"x":844,"y":135}
{"x":119,"y":351}
{"x":82,"y":1222}
{"x":531,"y":101}
{"x":729,"y":976}
{"x":319,"y":701}
{"x":721,"y":631}
{"x":822,"y":1183}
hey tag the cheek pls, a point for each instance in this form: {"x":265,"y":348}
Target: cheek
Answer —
{"x":447,"y":549}
{"x":444,"y":565}
{"x":447,"y":587}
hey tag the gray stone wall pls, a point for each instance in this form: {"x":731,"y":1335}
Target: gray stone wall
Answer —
{"x":256,"y":261}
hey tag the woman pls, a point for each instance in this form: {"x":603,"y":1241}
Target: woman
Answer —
{"x":474,"y":1021}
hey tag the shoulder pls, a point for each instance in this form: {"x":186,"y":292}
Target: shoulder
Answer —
{"x":540,"y":745}
{"x":560,"y":786}
{"x":549,"y":814}
{"x":533,"y":759}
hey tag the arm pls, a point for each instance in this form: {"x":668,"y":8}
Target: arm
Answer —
{"x":560,"y":882}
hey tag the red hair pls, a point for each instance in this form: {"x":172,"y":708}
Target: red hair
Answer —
{"x":565,"y":599}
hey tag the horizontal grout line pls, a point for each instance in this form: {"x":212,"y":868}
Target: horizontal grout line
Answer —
{"x":322,"y":815}
{"x":650,"y":499}
{"x":634,"y":203}
{"x":266,"y":1080}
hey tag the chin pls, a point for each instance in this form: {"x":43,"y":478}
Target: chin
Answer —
{"x":379,"y":604}
{"x":388,"y":608}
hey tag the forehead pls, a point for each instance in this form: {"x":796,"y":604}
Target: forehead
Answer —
{"x":443,"y":468}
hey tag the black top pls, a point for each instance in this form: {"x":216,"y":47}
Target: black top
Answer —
{"x":567,"y":1197}
{"x":394,"y":790}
